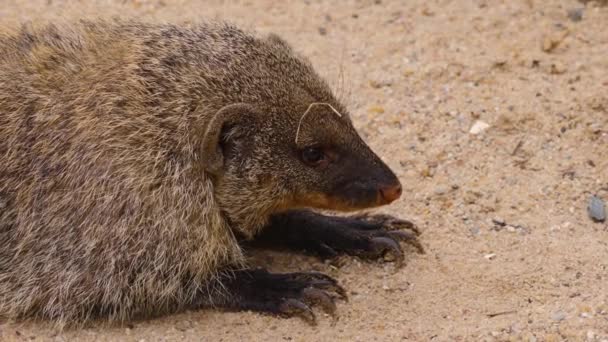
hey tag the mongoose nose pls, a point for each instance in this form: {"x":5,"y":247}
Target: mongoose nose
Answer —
{"x":390,"y":193}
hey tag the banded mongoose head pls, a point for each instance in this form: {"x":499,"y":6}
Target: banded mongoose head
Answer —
{"x":294,"y":147}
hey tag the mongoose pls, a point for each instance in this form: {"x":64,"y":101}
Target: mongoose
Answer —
{"x":136,"y":158}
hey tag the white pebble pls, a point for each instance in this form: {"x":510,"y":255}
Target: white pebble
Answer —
{"x":478,"y":127}
{"x":490,"y":256}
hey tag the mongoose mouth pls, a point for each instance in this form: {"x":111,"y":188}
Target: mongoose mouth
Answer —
{"x":353,"y":199}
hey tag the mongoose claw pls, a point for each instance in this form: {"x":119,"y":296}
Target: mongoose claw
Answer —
{"x":284,"y":294}
{"x":409,"y":238}
{"x":294,"y":307}
{"x":389,"y":222}
{"x":395,"y":228}
{"x":381,"y":245}
{"x":328,"y":283}
{"x":320,"y":297}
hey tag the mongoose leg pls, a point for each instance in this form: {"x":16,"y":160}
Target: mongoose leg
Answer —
{"x":367,"y":236}
{"x":284,"y":294}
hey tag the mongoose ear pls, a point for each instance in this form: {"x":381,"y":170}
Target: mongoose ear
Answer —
{"x":212,"y":157}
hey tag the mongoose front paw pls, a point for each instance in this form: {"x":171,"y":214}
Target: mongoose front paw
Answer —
{"x":285,"y":294}
{"x":371,"y":237}
{"x":366,"y":236}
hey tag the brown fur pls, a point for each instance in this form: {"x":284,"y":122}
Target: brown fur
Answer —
{"x":107,"y":208}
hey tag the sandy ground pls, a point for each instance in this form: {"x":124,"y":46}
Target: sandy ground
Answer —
{"x":417,"y":75}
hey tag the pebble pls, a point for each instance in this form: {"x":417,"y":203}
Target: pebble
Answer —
{"x":558,"y":316}
{"x":576,"y":14}
{"x":490,"y":256}
{"x":440,"y":191}
{"x":597,"y":209}
{"x":478,"y":127}
{"x":552,"y":41}
{"x":470,"y":197}
{"x":558,"y":68}
{"x":376,"y":109}
{"x":499,"y":221}
{"x":376,"y":84}
{"x":184,"y":325}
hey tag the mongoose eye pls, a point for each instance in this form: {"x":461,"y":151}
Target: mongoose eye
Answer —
{"x":313,"y":156}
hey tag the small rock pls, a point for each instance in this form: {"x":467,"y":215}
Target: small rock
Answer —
{"x":388,"y":257}
{"x":322,"y":31}
{"x":500,"y":63}
{"x":428,"y":170}
{"x":376,"y":84}
{"x":478,"y":127}
{"x":558,"y":316}
{"x":548,"y":44}
{"x":427,"y":12}
{"x":576,"y":14}
{"x":470,"y":197}
{"x":376,"y":109}
{"x":490,"y":256}
{"x":184,"y":325}
{"x":552,"y":41}
{"x":590,"y":335}
{"x":499,"y":221}
{"x":597,"y":209}
{"x":440,"y":191}
{"x":409,"y":71}
{"x":558,"y":68}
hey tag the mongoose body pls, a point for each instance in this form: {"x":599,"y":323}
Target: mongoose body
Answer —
{"x":133,"y":157}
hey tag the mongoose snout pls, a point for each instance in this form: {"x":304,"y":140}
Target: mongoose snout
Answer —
{"x":390,"y":193}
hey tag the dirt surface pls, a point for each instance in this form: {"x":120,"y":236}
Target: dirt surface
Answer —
{"x":511,"y":250}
